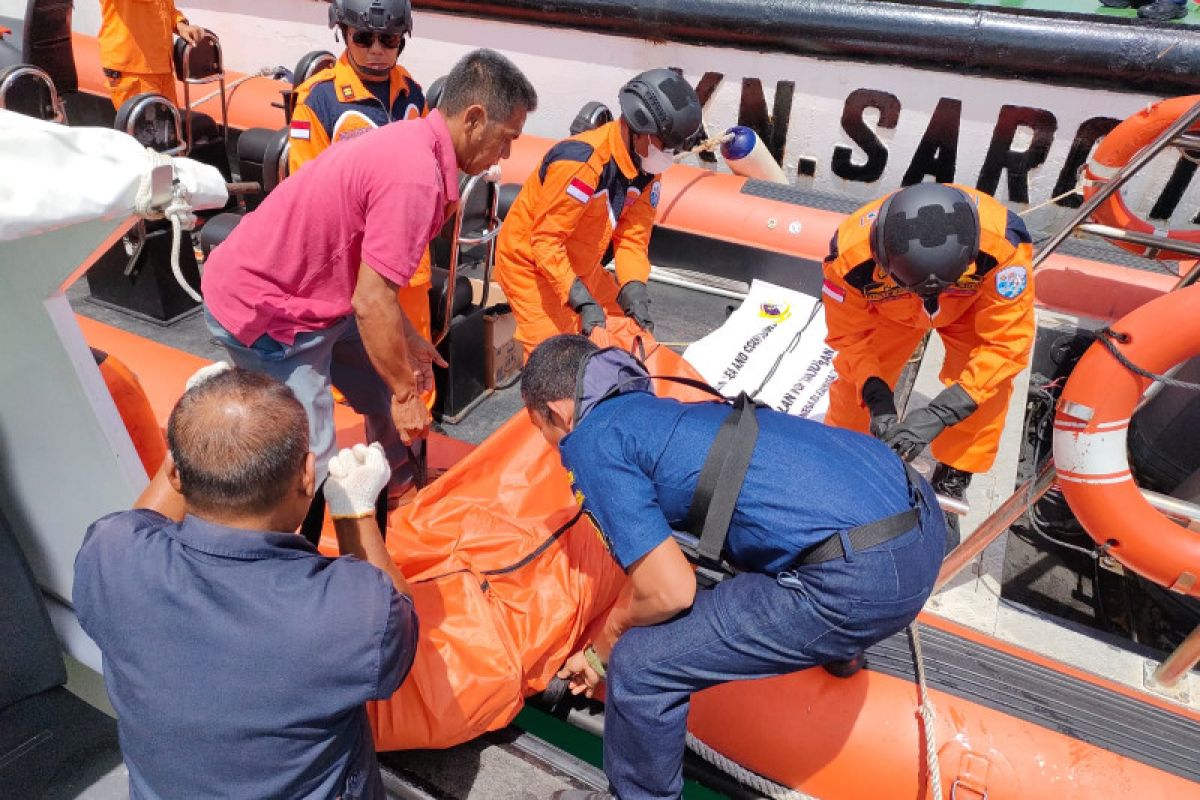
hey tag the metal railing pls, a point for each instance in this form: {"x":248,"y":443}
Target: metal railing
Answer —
{"x":486,"y":236}
{"x":1179,"y":663}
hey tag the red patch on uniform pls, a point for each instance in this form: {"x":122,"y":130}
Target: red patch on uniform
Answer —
{"x":300,"y":129}
{"x":580,"y":190}
{"x":830,"y":290}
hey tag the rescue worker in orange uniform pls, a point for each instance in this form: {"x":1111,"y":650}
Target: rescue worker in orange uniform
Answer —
{"x":364,"y":90}
{"x":135,"y":46}
{"x":930,"y":257}
{"x":599,"y":186}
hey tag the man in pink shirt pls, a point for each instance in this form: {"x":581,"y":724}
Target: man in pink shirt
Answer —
{"x":304,"y":288}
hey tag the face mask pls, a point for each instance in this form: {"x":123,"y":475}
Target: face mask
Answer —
{"x":656,"y":161}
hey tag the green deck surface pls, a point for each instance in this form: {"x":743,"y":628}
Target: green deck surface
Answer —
{"x":584,"y":746}
{"x":1076,"y":7}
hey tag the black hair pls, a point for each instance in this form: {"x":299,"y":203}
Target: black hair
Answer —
{"x":239,"y":440}
{"x":486,"y":78}
{"x":551,"y":370}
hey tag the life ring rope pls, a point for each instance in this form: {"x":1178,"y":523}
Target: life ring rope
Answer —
{"x":1110,"y":338}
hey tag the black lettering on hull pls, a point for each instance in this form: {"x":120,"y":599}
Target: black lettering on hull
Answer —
{"x":1002,"y":158}
{"x":937,"y":154}
{"x":1089,"y":133}
{"x":857,"y":129}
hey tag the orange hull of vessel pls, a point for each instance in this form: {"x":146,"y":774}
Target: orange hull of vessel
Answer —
{"x":508,"y":580}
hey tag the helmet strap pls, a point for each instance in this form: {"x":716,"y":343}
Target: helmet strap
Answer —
{"x":362,"y":69}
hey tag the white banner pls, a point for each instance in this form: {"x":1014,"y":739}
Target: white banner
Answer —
{"x":773,"y":348}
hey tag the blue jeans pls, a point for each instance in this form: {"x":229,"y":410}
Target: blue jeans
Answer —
{"x":756,"y":626}
{"x":333,"y":356}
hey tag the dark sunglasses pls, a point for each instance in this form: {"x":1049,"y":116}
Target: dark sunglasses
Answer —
{"x":367,"y":38}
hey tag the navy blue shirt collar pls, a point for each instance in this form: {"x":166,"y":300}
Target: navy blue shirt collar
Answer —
{"x":219,"y":540}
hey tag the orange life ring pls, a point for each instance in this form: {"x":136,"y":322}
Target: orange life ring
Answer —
{"x":1116,"y":149}
{"x":135,"y":410}
{"x":1090,"y":430}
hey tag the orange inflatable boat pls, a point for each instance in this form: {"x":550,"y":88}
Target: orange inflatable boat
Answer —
{"x":508,"y":579}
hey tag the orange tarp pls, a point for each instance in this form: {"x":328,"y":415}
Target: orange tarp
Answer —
{"x":507,"y":577}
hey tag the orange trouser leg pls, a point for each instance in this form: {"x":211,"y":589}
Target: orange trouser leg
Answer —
{"x":131,"y":84}
{"x":971,"y":445}
{"x":893,"y":345}
{"x":538,"y":311}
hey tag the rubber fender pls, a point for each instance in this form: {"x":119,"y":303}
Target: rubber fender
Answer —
{"x":135,"y":410}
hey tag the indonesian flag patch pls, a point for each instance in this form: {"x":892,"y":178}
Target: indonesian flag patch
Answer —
{"x":301,"y":130}
{"x":833,"y":292}
{"x":580,"y":190}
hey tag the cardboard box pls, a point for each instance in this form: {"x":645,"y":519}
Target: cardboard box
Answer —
{"x":496,"y":295}
{"x":503,"y":355}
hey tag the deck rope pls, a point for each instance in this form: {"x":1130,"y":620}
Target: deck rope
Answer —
{"x":178,"y":210}
{"x":928,"y":716}
{"x":747,"y":777}
{"x":775,"y":791}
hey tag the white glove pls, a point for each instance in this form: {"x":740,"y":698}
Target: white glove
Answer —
{"x":204,"y":373}
{"x":356,"y":477}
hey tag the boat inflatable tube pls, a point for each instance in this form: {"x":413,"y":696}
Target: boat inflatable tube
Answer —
{"x":747,"y":156}
{"x":1091,"y":427}
{"x":1115,"y":151}
{"x":135,"y":410}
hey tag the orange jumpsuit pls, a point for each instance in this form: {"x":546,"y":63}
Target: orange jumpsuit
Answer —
{"x":985,"y":320}
{"x":135,"y":47}
{"x":586,"y":193}
{"x":335,"y":105}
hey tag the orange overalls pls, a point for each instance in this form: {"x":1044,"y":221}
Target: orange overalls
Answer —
{"x":335,"y":105}
{"x":585,"y":193}
{"x":135,"y":47}
{"x":985,"y":320}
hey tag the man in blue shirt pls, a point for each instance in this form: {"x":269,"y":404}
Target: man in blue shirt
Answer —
{"x":238,"y":659}
{"x":837,"y":543}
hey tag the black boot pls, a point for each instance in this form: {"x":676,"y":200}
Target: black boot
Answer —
{"x":844,"y":668}
{"x":952,"y":483}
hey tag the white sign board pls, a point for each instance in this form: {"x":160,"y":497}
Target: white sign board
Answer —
{"x":773,"y":348}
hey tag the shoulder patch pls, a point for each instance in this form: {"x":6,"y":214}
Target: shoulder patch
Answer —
{"x":655,"y":193}
{"x":1011,"y":282}
{"x":833,"y":291}
{"x":566,"y":150}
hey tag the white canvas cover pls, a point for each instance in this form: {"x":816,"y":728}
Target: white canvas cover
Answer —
{"x":773,"y":348}
{"x":52,"y":176}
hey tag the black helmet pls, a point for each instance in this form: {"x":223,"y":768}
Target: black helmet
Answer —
{"x":662,"y":103}
{"x":925,"y":237}
{"x":380,"y":16}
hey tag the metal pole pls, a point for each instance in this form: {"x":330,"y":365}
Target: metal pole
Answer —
{"x":1160,"y":243}
{"x":1179,"y":663}
{"x":1139,"y":160}
{"x":1172,"y":506}
{"x":991,"y":528}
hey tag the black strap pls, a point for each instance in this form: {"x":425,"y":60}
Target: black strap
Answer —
{"x":721,"y":479}
{"x":873,"y":533}
{"x":862,"y":537}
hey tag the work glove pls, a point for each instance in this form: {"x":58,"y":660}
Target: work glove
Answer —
{"x":356,"y":477}
{"x":591,"y":315}
{"x":204,"y":373}
{"x":635,"y":302}
{"x":881,"y":402}
{"x":922,"y":426}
